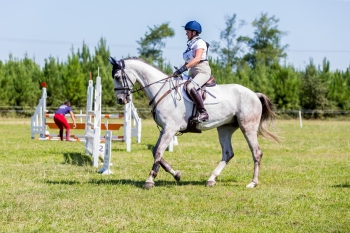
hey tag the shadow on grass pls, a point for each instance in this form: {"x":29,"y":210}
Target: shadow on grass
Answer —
{"x":118,"y":150}
{"x":140,"y":184}
{"x":77,"y":159}
{"x":136,"y":183}
{"x":64,"y":182}
{"x":150,"y":147}
{"x":345,"y":185}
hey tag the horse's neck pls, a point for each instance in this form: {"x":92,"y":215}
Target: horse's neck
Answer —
{"x":148,"y":76}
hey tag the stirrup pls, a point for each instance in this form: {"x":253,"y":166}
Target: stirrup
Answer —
{"x":205,"y":116}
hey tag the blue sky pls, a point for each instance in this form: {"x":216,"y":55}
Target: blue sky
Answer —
{"x":42,"y":28}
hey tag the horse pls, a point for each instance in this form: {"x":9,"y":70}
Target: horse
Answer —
{"x":230,"y":106}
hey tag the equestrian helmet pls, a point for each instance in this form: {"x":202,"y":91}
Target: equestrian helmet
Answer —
{"x":193,"y":26}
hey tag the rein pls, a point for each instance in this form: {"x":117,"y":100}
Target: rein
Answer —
{"x":141,"y":88}
{"x":129,"y":89}
{"x":175,"y":87}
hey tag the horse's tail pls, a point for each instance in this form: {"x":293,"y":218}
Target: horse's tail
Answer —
{"x":268,"y":115}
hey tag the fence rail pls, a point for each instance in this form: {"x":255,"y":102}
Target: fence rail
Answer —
{"x":146,"y":112}
{"x":310,"y":111}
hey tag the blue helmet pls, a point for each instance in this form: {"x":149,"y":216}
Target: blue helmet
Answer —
{"x":193,"y":26}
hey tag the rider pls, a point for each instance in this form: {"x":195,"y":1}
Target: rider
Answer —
{"x":196,"y":58}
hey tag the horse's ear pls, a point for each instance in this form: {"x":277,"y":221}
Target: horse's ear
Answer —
{"x":112,"y":61}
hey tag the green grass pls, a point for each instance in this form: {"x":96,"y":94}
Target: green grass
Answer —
{"x":50,"y":186}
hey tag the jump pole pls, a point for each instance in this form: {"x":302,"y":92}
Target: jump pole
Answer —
{"x":93,"y":141}
{"x":132,"y":122}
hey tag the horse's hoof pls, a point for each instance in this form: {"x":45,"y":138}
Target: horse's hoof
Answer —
{"x":177,"y":176}
{"x":149,"y":185}
{"x":252,"y":185}
{"x":211,"y":183}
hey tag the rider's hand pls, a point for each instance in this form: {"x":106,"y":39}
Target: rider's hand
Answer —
{"x":180,"y":71}
{"x":74,"y":125}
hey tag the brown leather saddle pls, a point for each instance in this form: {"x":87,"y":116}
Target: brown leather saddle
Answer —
{"x":202,"y":91}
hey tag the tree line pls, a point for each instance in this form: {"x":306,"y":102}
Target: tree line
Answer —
{"x":255,"y":62}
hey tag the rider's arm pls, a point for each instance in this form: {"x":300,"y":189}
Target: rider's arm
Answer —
{"x":73,"y":118}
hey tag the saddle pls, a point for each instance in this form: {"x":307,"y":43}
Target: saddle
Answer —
{"x":202,"y":91}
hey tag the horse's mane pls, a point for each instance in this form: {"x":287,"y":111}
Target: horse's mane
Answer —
{"x":140,"y":59}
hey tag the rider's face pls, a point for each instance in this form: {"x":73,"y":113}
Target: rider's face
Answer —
{"x":189,"y":34}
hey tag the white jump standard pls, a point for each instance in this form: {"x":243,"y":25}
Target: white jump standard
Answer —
{"x":92,"y":126}
{"x":132,"y":123}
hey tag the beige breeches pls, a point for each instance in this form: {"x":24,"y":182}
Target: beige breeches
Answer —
{"x":200,"y":74}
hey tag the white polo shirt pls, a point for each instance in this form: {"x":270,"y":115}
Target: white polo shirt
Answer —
{"x":192,"y":46}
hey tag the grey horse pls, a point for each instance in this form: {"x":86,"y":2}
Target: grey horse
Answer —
{"x":230,"y":106}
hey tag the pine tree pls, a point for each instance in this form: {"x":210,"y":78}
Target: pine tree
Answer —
{"x":53,"y":73}
{"x":18,"y":87}
{"x":101,"y":62}
{"x":222,"y":72}
{"x":74,"y":81}
{"x":265,"y":47}
{"x":313,"y":90}
{"x":85,"y":59}
{"x":286,"y":83}
{"x":339,"y":90}
{"x":152,"y":44}
{"x":229,"y":53}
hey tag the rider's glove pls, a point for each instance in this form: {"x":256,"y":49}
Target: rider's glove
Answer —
{"x":181,"y":70}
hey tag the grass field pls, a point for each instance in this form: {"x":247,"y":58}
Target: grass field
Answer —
{"x":50,"y":186}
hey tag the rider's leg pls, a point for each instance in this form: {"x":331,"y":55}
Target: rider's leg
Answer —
{"x":202,"y":112}
{"x":201,"y":74}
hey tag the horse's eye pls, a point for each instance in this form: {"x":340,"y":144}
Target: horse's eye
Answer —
{"x":115,"y":74}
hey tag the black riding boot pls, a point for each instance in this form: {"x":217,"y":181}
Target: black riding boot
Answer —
{"x":61,"y":135}
{"x":202,"y":113}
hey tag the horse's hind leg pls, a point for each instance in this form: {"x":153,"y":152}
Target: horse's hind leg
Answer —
{"x":250,"y":133}
{"x":225,"y":134}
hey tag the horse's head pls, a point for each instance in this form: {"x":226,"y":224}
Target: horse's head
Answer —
{"x":122,"y":83}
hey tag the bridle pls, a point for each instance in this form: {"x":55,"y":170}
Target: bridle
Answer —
{"x":120,"y":65}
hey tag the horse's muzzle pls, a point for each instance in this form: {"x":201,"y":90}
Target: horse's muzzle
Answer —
{"x":122,"y":99}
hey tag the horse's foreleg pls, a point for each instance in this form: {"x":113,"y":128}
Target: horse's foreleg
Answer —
{"x":164,"y":140}
{"x":168,"y":168}
{"x":225,"y":133}
{"x":155,"y":169}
